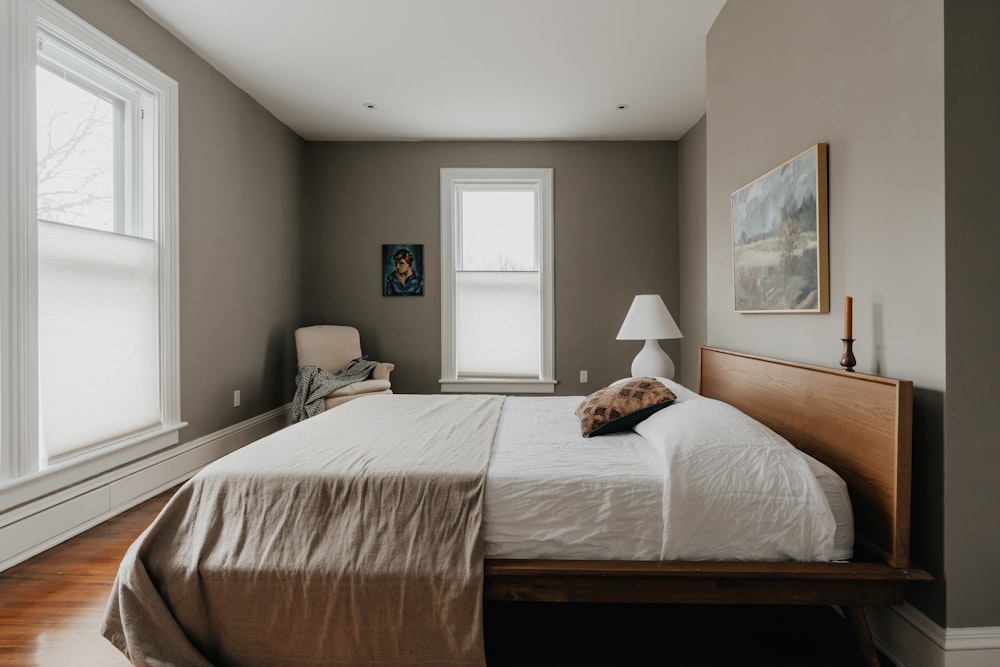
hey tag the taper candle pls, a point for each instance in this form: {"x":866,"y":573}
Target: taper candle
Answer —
{"x":848,"y":317}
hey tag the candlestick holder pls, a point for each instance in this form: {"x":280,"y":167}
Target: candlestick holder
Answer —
{"x":848,"y":361}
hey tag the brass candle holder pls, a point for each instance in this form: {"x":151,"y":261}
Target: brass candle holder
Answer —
{"x":848,"y":361}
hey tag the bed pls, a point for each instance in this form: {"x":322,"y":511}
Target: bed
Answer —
{"x":857,"y":424}
{"x":259,"y":558}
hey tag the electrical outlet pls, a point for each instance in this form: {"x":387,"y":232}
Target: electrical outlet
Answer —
{"x":236,"y":398}
{"x":583,"y":377}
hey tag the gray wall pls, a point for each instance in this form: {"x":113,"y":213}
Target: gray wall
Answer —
{"x":870,"y":80}
{"x":972,"y":165}
{"x":867,"y":78}
{"x":692,"y":168}
{"x":240,"y":178}
{"x":615,"y":236}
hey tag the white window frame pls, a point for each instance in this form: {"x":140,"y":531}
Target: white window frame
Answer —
{"x":452,"y":182}
{"x":132,"y":186}
{"x":23,"y":484}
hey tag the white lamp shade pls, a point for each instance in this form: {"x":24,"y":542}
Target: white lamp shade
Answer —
{"x":648,"y":318}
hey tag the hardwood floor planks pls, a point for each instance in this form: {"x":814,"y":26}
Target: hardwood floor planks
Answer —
{"x":51,"y":606}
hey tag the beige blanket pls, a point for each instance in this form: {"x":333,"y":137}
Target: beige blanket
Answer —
{"x":351,"y":538}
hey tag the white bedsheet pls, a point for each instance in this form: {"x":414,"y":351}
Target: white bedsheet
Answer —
{"x":553,"y":494}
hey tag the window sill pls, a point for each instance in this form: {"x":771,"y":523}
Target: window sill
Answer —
{"x":22,"y":494}
{"x":497,"y":386}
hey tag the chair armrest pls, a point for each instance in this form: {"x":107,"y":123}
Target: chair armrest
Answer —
{"x":381,"y":372}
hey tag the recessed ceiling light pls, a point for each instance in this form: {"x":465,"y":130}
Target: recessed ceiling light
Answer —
{"x":370,"y":106}
{"x":622,"y":107}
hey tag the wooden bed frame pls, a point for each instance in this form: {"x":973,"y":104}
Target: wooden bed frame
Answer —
{"x":859,"y":425}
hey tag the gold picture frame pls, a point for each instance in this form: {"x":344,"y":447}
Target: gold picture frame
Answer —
{"x":780,"y":238}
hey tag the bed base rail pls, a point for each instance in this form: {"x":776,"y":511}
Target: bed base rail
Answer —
{"x":698,"y":582}
{"x":851,"y":585}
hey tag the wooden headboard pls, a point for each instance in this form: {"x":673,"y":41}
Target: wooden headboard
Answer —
{"x":859,"y":425}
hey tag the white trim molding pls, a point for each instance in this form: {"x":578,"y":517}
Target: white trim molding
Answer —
{"x":29,"y":530}
{"x":496,"y":386}
{"x":18,"y":354}
{"x":24,"y":478}
{"x":910,"y":639}
{"x":454,"y":181}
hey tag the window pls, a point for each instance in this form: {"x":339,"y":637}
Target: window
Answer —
{"x":89,"y":314}
{"x":497,"y":307}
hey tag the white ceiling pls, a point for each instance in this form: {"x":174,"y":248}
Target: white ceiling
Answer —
{"x":458,"y":69}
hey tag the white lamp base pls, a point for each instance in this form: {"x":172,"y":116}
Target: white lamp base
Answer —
{"x":652,"y":361}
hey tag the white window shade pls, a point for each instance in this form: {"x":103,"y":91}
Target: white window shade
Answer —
{"x":498,"y":333}
{"x":98,"y":329}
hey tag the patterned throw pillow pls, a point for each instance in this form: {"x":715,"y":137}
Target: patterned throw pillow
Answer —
{"x":621,"y":406}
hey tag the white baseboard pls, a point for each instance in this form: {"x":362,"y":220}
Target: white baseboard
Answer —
{"x":910,"y":639}
{"x":69,"y":512}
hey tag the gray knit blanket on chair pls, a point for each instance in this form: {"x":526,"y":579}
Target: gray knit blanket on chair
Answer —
{"x":313,"y":384}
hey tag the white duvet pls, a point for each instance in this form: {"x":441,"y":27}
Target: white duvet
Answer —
{"x":550,"y":493}
{"x":698,"y":480}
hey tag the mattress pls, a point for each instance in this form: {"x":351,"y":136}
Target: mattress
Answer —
{"x":551,"y":493}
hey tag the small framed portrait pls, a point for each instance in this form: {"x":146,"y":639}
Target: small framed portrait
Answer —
{"x":403,"y":269}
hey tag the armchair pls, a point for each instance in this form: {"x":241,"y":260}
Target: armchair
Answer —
{"x":332,"y":347}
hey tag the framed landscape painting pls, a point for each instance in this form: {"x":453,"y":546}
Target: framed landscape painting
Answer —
{"x":780,"y":255}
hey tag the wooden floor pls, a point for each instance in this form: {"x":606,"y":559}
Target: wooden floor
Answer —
{"x":51,"y":608}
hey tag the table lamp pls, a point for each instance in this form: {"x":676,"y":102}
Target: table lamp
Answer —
{"x":648,"y":319}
